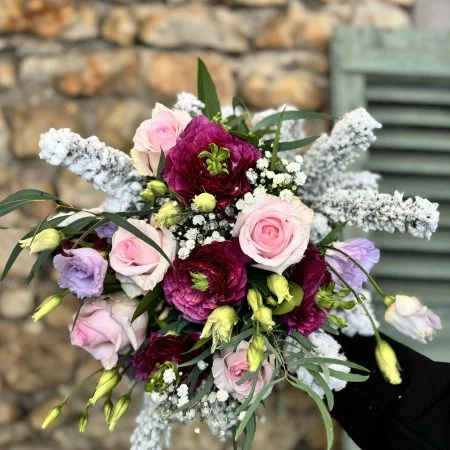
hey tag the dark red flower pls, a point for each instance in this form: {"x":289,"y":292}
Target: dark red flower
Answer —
{"x":221,"y":264}
{"x":160,"y":349}
{"x":187,"y":174}
{"x":310,"y":273}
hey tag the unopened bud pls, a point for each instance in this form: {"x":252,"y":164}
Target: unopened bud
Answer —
{"x":47,"y":239}
{"x":120,"y":408}
{"x":147,"y":195}
{"x":158,"y":188}
{"x":107,"y":409}
{"x":51,"y":416}
{"x":387,"y":362}
{"x":264,"y":316}
{"x":169,"y":214}
{"x":255,"y":353}
{"x":254,"y":299}
{"x":82,"y":424}
{"x":279,"y":286}
{"x":205,"y":202}
{"x":48,"y":305}
{"x":105,"y":384}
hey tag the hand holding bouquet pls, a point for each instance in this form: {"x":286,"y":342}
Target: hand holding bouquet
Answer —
{"x":215,"y":269}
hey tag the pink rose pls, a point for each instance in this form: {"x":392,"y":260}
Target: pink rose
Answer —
{"x":229,"y":366}
{"x":139,"y":266}
{"x":104,"y":328}
{"x":274,"y":233}
{"x":153,"y":135}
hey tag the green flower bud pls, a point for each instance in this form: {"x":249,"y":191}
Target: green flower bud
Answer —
{"x":105,"y":384}
{"x":120,"y":408}
{"x":107,"y":409}
{"x":169,"y":214}
{"x":205,"y":202}
{"x":82,"y":424}
{"x":147,"y":195}
{"x":254,"y":299}
{"x":47,"y":239}
{"x":255,"y":353}
{"x":264,"y":316}
{"x":279,"y":286}
{"x":287,"y":306}
{"x":159,"y":188}
{"x":199,"y":281}
{"x":48,"y":305}
{"x":51,"y":416}
{"x":387,"y":362}
{"x":220,"y":325}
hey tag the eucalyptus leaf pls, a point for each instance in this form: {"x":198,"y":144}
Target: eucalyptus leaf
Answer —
{"x":291,"y":115}
{"x":148,"y":302}
{"x":332,"y":236}
{"x":197,"y":359}
{"x":40,"y":260}
{"x":207,"y":90}
{"x":351,"y":377}
{"x":22,"y":198}
{"x":161,"y":163}
{"x":258,"y":279}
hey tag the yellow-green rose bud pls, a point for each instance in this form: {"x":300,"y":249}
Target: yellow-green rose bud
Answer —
{"x":255,"y":353}
{"x":205,"y":202}
{"x":107,"y":409}
{"x":82,"y":424}
{"x":48,"y":305}
{"x":264,"y":316}
{"x":220,"y":325}
{"x":169,"y":214}
{"x":147,"y":195}
{"x":120,"y":408}
{"x":105,"y":384}
{"x":279,"y":286}
{"x":158,"y":188}
{"x":254,"y":299}
{"x":47,"y":239}
{"x":51,"y":416}
{"x":387,"y":362}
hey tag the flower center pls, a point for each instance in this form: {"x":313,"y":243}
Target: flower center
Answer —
{"x":216,"y":159}
{"x":199,"y":281}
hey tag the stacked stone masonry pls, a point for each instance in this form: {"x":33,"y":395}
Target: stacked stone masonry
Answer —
{"x":97,"y":67}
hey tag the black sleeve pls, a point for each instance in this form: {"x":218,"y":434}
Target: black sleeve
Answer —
{"x":411,"y":416}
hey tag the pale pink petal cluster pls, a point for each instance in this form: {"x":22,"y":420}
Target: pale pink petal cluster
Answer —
{"x":104,"y":328}
{"x":411,"y":318}
{"x":274,"y":233}
{"x":138,"y":265}
{"x":160,"y":133}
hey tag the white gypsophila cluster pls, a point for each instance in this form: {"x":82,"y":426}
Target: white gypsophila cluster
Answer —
{"x":108,"y":169}
{"x":201,"y":229}
{"x":219,"y":413}
{"x":356,"y":318}
{"x":190,"y":103}
{"x":331,"y":154}
{"x":275,"y":182}
{"x":370,"y":210}
{"x":325,"y":346}
{"x":320,"y":228}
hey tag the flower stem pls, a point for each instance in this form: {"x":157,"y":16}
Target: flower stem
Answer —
{"x":372,"y":322}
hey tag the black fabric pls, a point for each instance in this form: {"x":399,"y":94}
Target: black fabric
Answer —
{"x":414,"y":415}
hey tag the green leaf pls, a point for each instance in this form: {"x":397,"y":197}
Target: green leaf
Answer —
{"x":295,"y":145}
{"x":322,"y":408}
{"x":250,"y":430}
{"x":349,"y":376}
{"x":238,"y":102}
{"x":78,"y":225}
{"x":236,"y":339}
{"x":197,"y":359}
{"x":207,"y":90}
{"x":291,"y":115}
{"x":18,"y":249}
{"x":258,"y":279}
{"x":287,"y":306}
{"x":274,"y":352}
{"x":329,"y":329}
{"x":302,"y":340}
{"x":161,"y":164}
{"x":245,"y":377}
{"x":340,"y":362}
{"x":149,"y":302}
{"x":22,"y":198}
{"x":205,"y":390}
{"x":122,"y":223}
{"x":199,"y":344}
{"x":254,"y":140}
{"x":332,"y":236}
{"x":326,"y":389}
{"x":40,"y":260}
{"x":252,"y":407}
{"x":276,"y":141}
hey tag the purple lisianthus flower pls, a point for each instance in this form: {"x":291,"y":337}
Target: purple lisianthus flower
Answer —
{"x":82,"y":271}
{"x":106,"y":231}
{"x":188,"y":175}
{"x":310,"y":274}
{"x":220,"y":266}
{"x":361,"y":250}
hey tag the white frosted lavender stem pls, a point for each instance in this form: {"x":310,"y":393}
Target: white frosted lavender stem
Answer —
{"x":364,"y":180}
{"x":371,"y":210}
{"x":108,"y":169}
{"x":331,"y":154}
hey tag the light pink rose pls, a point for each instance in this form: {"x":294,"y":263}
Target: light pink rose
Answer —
{"x":153,"y":135}
{"x":104,"y":328}
{"x":274,"y":233}
{"x":229,"y":366}
{"x":410,"y":317}
{"x":139,"y":266}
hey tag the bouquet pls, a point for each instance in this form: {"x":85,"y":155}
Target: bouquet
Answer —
{"x":215,"y":270}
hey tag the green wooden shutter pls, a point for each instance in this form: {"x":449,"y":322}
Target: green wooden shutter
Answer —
{"x":402,"y":77}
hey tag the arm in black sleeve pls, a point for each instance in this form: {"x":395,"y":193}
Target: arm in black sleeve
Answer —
{"x":414,"y":415}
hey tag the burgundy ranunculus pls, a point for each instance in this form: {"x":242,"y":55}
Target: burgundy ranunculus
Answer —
{"x":310,"y":273}
{"x":187,"y":174}
{"x":160,"y":349}
{"x":220,"y":266}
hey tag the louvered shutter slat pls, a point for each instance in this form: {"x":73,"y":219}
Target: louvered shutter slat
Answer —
{"x":413,"y":139}
{"x":412,"y":115}
{"x":427,"y":95}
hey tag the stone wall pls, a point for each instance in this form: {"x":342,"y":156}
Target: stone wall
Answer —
{"x":97,"y":67}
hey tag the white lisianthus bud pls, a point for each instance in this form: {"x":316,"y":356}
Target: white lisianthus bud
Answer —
{"x":411,"y":318}
{"x":387,"y":362}
{"x":47,"y":239}
{"x":205,"y":202}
